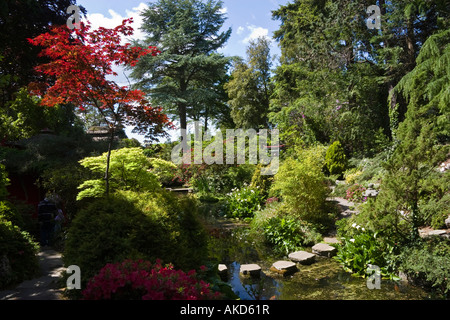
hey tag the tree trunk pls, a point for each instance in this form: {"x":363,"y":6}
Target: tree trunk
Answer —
{"x":108,"y":160}
{"x":410,"y":43}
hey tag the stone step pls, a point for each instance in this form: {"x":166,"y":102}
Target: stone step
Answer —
{"x":284,"y":267}
{"x":431,"y":233}
{"x":323,"y":249}
{"x":251,"y":269}
{"x":330,"y":240}
{"x":302,"y":257}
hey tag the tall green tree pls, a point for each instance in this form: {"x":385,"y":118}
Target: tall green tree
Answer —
{"x":184,"y":78}
{"x":250,"y":87}
{"x":336,"y":73}
{"x":406,"y":25}
{"x":422,"y":144}
{"x":326,"y":88}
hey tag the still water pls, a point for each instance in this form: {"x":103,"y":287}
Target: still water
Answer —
{"x":323,"y":280}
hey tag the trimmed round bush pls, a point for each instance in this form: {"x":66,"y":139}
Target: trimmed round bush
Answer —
{"x":133,"y":225}
{"x":335,"y":159}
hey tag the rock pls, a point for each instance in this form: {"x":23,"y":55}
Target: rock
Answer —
{"x":284,"y":267}
{"x":323,"y":249}
{"x":251,"y":269}
{"x":331,"y":240}
{"x":433,"y":233}
{"x":302,"y":257}
{"x":447,"y":222}
{"x":371,"y":193}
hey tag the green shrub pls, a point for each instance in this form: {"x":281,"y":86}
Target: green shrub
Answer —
{"x":217,"y":179}
{"x":9,"y":212}
{"x":18,"y":260}
{"x":301,"y":184}
{"x":428,"y":264}
{"x":335,"y":159}
{"x":164,"y":170}
{"x":129,"y":170}
{"x":133,"y":225}
{"x":360,"y":247}
{"x":243,"y":203}
{"x":261,"y":182}
{"x":287,"y":234}
{"x":4,"y":181}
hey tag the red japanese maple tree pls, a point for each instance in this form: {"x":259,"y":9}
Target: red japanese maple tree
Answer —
{"x":80,"y":63}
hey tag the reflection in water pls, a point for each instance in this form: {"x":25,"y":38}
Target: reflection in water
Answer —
{"x":251,"y":288}
{"x":323,"y":280}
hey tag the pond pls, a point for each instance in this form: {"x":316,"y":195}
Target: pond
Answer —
{"x":323,"y":280}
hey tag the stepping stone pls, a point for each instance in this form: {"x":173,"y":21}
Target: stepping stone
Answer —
{"x":284,"y":267}
{"x":331,"y":240}
{"x":433,"y":233}
{"x":323,"y":249}
{"x":251,"y":269}
{"x":302,"y":257}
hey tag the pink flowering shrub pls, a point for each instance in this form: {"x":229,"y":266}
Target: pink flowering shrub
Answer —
{"x":356,"y":193}
{"x":269,"y":201}
{"x":142,"y":280}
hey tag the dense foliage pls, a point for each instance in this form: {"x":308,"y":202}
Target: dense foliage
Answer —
{"x":364,"y":106}
{"x":135,"y":226}
{"x":142,"y":280}
{"x":18,"y":248}
{"x":301,"y":183}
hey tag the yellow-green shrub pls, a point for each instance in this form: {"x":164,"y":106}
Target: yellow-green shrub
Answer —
{"x":302,"y":185}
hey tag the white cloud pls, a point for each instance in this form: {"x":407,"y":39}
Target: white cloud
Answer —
{"x":240,"y":29}
{"x":114,"y":19}
{"x":255,"y":33}
{"x":223,"y":10}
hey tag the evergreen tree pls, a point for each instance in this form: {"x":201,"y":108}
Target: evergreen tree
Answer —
{"x":337,"y":74}
{"x":422,"y":144}
{"x":186,"y":77}
{"x":250,"y":87}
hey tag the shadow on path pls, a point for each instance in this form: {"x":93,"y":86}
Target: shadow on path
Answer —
{"x":46,"y":286}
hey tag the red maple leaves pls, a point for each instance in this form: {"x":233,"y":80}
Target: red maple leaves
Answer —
{"x":80,"y":63}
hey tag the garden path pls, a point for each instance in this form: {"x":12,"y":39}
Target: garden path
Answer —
{"x":346,"y":209}
{"x":44,"y":287}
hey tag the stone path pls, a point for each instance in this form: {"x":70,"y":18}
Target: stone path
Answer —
{"x":46,"y":286}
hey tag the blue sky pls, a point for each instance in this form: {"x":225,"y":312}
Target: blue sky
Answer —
{"x":249,"y":19}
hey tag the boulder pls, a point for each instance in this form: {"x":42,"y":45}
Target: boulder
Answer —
{"x":426,"y":234}
{"x":251,"y":269}
{"x":284,"y":267}
{"x":302,"y":257}
{"x":323,"y":249}
{"x":371,"y":193}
